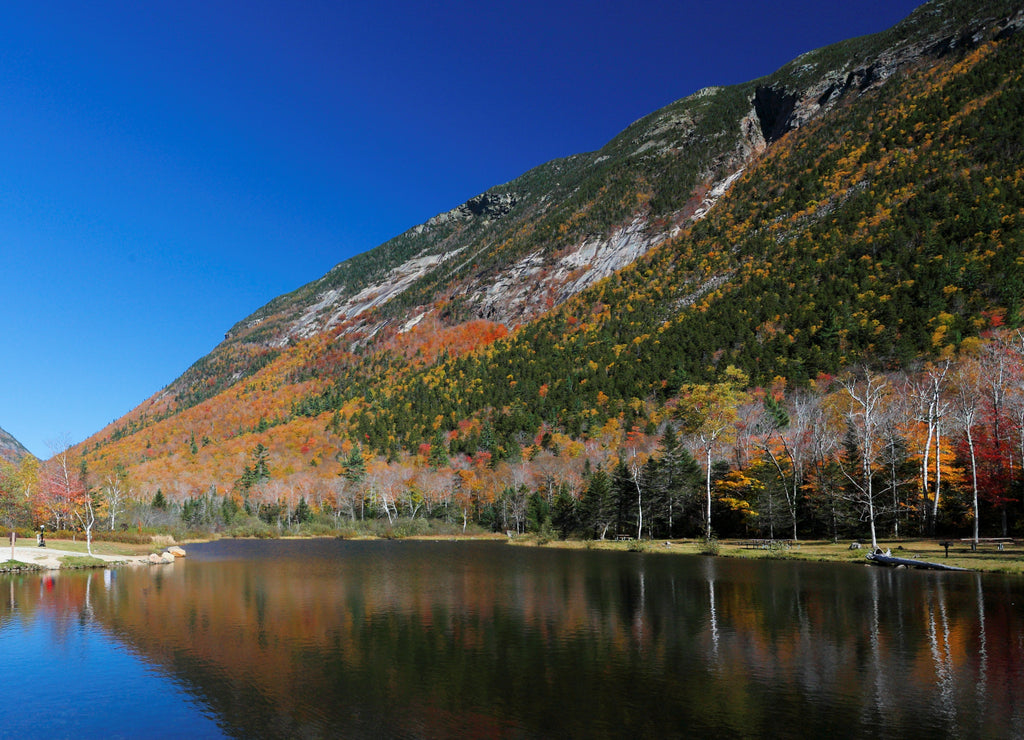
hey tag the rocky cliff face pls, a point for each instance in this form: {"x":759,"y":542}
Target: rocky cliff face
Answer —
{"x":815,"y":82}
{"x":530,"y":284}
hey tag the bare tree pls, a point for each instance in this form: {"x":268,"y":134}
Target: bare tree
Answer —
{"x":787,"y":441}
{"x":116,"y":492}
{"x":932,"y":406}
{"x":965,"y":403}
{"x":863,"y":418}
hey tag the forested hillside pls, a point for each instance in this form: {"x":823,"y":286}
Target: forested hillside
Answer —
{"x":789,"y":305}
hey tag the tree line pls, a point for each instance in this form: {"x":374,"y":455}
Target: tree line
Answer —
{"x":937,"y":450}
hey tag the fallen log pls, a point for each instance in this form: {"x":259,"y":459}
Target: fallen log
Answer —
{"x":884,"y":558}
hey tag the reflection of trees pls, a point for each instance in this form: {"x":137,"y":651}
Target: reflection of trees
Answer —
{"x":454,"y":639}
{"x":942,"y":653}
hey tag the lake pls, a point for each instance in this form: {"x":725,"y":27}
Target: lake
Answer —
{"x":330,"y":638}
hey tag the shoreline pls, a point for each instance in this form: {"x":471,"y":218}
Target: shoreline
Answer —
{"x":987,"y":559}
{"x":1009,"y":561}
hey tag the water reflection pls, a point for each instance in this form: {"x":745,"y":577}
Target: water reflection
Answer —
{"x":314,"y":639}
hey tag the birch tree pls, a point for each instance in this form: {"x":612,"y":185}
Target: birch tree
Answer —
{"x":929,"y":393}
{"x":709,"y":414}
{"x":966,"y":401}
{"x":863,"y":415}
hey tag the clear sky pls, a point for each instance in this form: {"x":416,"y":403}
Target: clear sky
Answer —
{"x":168,"y":167}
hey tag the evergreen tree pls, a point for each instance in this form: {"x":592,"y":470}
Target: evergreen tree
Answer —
{"x":537,"y":511}
{"x":597,"y":506}
{"x":678,"y":479}
{"x":438,"y":457}
{"x":564,"y":514}
{"x":228,"y":509}
{"x":261,"y":464}
{"x":302,"y":513}
{"x":624,"y":495}
{"x":354,"y":466}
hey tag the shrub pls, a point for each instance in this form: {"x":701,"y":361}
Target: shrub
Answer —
{"x":711,"y":546}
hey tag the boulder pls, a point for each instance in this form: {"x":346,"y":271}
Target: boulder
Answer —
{"x":176,"y":551}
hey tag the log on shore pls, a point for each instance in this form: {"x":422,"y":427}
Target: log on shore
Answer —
{"x":880,"y":558}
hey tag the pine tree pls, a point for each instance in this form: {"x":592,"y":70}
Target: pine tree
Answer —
{"x":302,"y":513}
{"x":354,"y":467}
{"x":438,"y":452}
{"x":598,"y":507}
{"x":564,"y":514}
{"x":261,"y":464}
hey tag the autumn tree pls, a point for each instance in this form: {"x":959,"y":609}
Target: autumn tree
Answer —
{"x":64,"y":492}
{"x":825,"y":478}
{"x":18,"y":486}
{"x":708,"y":414}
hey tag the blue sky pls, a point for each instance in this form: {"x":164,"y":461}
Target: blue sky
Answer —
{"x":166,"y":168}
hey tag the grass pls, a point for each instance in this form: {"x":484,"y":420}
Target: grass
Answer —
{"x":987,"y":559}
{"x":16,"y":565}
{"x":82,"y":561}
{"x":102,"y":548}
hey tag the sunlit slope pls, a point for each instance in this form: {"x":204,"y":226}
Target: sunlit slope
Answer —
{"x":884,"y":233}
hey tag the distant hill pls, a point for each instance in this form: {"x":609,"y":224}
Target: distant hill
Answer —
{"x":11,"y":449}
{"x":863,"y":204}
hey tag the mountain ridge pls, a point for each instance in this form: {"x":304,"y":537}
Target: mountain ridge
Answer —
{"x":11,"y":449}
{"x":544,"y":265}
{"x":776,"y":109}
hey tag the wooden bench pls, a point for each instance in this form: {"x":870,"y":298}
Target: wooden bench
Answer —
{"x":999,"y":542}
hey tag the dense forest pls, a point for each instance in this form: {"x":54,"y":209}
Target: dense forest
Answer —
{"x":866,"y":454}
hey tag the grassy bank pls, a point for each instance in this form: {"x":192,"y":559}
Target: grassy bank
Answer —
{"x":101,"y":547}
{"x":988,"y":558}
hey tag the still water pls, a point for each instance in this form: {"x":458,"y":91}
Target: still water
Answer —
{"x":329,"y":638}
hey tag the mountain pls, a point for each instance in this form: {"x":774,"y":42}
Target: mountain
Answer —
{"x":861,"y":204}
{"x":11,"y":449}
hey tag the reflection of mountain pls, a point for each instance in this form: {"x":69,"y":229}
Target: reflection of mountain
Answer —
{"x":436,"y":639}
